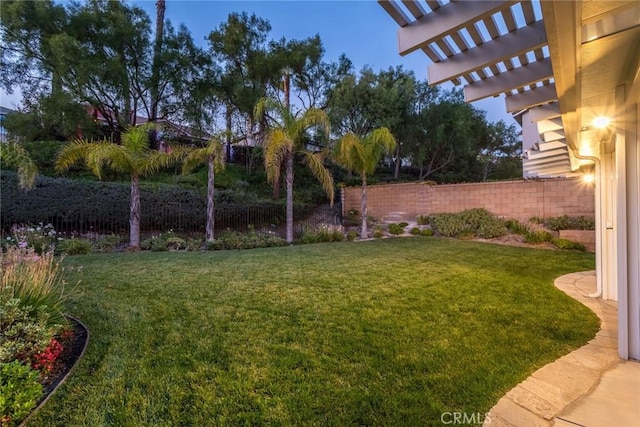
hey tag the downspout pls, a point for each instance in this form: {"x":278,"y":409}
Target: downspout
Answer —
{"x":599,"y":217}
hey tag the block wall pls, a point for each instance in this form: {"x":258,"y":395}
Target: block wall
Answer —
{"x":519,"y":200}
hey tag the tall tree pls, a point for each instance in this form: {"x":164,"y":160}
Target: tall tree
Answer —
{"x":100,"y":53}
{"x":240,"y":46}
{"x":362,"y":155}
{"x":498,"y":144}
{"x":285,"y":137}
{"x":133,"y":156}
{"x":154,"y":85}
{"x":446,"y":132}
{"x":213,"y":155}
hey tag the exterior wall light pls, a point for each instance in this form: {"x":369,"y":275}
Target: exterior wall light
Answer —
{"x":601,"y":122}
{"x":589,"y":178}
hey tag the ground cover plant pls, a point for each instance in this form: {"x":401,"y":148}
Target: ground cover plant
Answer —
{"x":385,"y":332}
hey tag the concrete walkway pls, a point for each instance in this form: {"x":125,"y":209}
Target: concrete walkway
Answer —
{"x":589,"y":387}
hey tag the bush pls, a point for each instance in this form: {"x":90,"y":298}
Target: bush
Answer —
{"x":403,"y":224}
{"x":233,"y":240}
{"x":395,"y":229}
{"x":516,"y":227}
{"x":426,"y":232}
{"x":352,"y":235}
{"x":323,"y":233}
{"x":566,"y":222}
{"x":469,"y":223}
{"x":104,"y":206}
{"x":568,"y":244}
{"x":75,"y":246}
{"x":175,"y":243}
{"x":422,"y":219}
{"x":378,"y":232}
{"x":25,"y":330}
{"x":194,"y":244}
{"x":447,"y":225}
{"x":415,"y":231}
{"x":108,"y":243}
{"x":41,"y":237}
{"x":19,"y":392}
{"x":537,"y":236}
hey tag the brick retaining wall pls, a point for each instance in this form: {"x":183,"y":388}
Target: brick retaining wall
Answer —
{"x":519,"y":200}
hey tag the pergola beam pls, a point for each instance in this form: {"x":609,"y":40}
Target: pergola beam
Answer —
{"x":531,"y":98}
{"x":444,"y":21}
{"x":544,"y":112}
{"x":547,"y":153}
{"x":508,"y":46}
{"x":554,"y":135}
{"x":394,"y":12}
{"x":518,"y":77}
{"x":549,"y":125}
{"x":544,"y":146}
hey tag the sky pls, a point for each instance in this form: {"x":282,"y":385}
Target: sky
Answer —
{"x":360,"y":29}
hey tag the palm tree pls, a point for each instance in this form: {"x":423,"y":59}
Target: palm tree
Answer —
{"x":213,"y":154}
{"x":362,"y":155}
{"x":286,"y":138}
{"x":133,"y":156}
{"x":13,"y":155}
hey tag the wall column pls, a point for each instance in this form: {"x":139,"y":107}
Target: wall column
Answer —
{"x":628,"y":225}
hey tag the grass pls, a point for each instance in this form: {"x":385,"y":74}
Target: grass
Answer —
{"x":387,"y":332}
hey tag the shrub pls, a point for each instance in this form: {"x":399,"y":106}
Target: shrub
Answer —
{"x":415,"y":231}
{"x":568,"y":244}
{"x":566,"y":222}
{"x":352,"y":235}
{"x":378,"y":232}
{"x":536,"y":220}
{"x":75,"y":246}
{"x":403,"y":224}
{"x":427,"y":232}
{"x":469,"y":223}
{"x":537,"y":236}
{"x":422,"y":219}
{"x":194,"y":244}
{"x":395,"y":229}
{"x":41,"y":237}
{"x":25,"y":330}
{"x":233,"y":240}
{"x":447,"y":225}
{"x":490,"y":228}
{"x":108,"y":243}
{"x":35,"y":280}
{"x":19,"y":392}
{"x":323,"y":233}
{"x":175,"y":243}
{"x":78,"y":205}
{"x":516,"y":227}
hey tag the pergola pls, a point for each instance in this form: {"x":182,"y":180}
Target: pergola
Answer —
{"x":570,"y":73}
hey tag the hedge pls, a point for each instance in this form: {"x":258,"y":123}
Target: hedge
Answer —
{"x":103,"y":207}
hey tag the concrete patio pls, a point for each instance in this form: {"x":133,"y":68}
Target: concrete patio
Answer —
{"x":588,"y":387}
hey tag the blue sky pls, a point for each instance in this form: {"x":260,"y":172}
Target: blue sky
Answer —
{"x":360,"y":29}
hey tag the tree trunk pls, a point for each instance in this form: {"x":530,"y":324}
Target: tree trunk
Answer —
{"x":227,"y":116}
{"x":134,"y":214}
{"x":289,"y":185}
{"x":396,"y":173}
{"x":363,"y":207}
{"x":210,"y":201}
{"x":287,"y":103}
{"x":155,"y":71}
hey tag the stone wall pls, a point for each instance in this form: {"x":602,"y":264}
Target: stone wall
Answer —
{"x":519,"y":200}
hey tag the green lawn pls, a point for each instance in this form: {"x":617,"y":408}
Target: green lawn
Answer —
{"x":389,"y":332}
